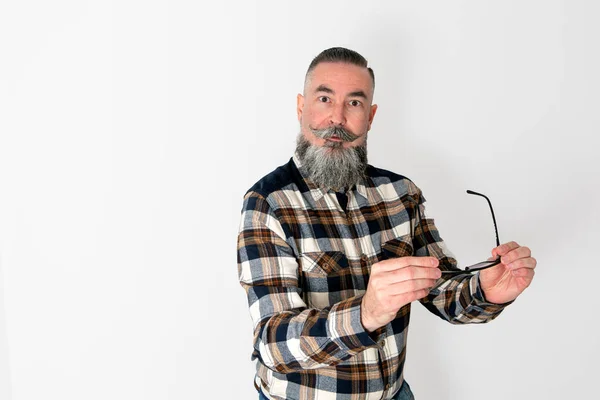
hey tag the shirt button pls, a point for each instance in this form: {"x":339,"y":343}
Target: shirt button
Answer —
{"x":387,"y":386}
{"x":382,"y":343}
{"x":364,"y":257}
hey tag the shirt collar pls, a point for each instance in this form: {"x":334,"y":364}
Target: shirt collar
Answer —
{"x":317,"y":192}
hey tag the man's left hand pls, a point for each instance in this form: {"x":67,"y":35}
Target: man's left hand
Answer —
{"x":506,"y":281}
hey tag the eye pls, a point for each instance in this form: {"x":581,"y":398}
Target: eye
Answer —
{"x":355,"y":103}
{"x":323,"y":99}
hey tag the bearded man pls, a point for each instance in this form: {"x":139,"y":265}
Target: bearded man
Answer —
{"x":332,"y":251}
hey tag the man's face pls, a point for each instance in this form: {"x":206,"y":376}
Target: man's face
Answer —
{"x":336,"y":95}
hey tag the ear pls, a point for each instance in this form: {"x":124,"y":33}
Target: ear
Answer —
{"x":299,"y":106}
{"x":372,"y":115}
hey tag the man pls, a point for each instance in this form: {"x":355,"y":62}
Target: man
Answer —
{"x":332,"y":251}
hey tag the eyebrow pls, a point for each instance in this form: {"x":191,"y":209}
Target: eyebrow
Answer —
{"x":356,"y":93}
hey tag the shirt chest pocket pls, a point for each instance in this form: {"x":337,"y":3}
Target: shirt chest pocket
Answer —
{"x":324,"y":262}
{"x":326,"y":278}
{"x":401,"y":246}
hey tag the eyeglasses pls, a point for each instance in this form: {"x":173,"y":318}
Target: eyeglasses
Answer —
{"x":480,"y":265}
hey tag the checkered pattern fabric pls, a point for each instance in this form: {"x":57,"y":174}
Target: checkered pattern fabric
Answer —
{"x":304,"y":262}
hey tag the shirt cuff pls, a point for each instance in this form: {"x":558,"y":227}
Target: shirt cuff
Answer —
{"x":479,"y":298}
{"x":345,"y":328}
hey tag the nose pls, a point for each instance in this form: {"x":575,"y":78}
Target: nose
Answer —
{"x":338,"y":115}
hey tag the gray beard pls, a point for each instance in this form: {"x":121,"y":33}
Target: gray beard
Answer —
{"x":332,"y":166}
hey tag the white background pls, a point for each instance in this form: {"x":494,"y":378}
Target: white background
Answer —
{"x":130,"y":130}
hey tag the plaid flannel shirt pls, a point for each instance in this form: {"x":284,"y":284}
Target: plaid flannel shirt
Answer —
{"x":304,"y":262}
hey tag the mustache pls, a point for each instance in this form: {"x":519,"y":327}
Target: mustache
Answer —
{"x":335,"y":131}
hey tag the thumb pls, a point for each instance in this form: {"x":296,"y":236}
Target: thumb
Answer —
{"x":496,"y":252}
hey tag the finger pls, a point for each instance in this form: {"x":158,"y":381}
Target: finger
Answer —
{"x":412,"y":272}
{"x":403,"y":262}
{"x":410,"y":286}
{"x":515,"y":254}
{"x":504,"y":248}
{"x":522,"y":263}
{"x":405,"y":298}
{"x":527,"y":274}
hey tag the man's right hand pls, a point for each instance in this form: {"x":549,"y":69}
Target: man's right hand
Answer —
{"x":393,"y":284}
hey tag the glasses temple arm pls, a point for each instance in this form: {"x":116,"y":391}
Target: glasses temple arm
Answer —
{"x":491,"y":209}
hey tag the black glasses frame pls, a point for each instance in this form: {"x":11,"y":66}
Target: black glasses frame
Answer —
{"x":480,"y":265}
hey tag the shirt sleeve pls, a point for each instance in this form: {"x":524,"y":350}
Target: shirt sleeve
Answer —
{"x":457,"y":299}
{"x":289,"y":336}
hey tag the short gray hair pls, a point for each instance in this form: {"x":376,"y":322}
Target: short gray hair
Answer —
{"x":341,"y":55}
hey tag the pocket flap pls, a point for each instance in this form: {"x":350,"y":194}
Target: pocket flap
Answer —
{"x":324,"y":262}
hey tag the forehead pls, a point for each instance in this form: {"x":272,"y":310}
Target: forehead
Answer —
{"x":340,"y":77}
